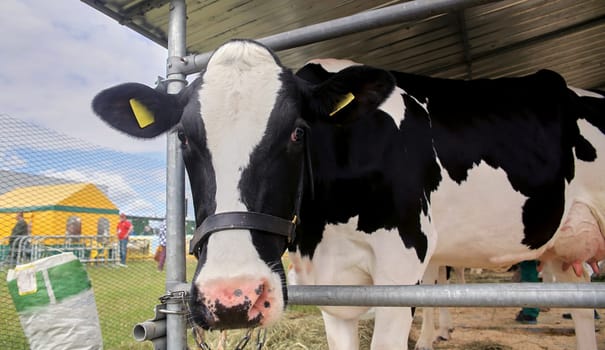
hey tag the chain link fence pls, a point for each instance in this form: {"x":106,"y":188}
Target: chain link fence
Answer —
{"x":63,"y":195}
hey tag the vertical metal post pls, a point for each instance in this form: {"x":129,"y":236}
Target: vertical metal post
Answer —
{"x":176,"y":336}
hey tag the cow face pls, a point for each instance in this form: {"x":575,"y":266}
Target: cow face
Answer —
{"x":244,"y":126}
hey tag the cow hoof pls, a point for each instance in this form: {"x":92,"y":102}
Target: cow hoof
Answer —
{"x":445,"y":336}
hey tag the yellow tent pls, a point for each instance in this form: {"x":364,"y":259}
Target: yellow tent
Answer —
{"x":56,"y":209}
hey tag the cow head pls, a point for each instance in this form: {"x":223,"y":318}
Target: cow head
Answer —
{"x":244,"y":127}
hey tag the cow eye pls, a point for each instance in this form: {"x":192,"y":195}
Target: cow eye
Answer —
{"x":181,"y":135}
{"x":297,"y":135}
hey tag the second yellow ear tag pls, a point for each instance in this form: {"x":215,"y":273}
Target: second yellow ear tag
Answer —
{"x":343,"y":103}
{"x":141,"y":113}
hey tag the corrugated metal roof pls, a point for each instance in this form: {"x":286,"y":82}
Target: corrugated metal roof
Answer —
{"x":504,"y":38}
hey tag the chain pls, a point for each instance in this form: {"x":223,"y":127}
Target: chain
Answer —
{"x":244,"y":341}
{"x":178,"y":296}
{"x":261,"y":337}
{"x":181,"y":297}
{"x":199,"y":339}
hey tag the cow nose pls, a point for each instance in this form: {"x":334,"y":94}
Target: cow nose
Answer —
{"x":235,"y":303}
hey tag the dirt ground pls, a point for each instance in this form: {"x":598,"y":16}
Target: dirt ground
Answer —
{"x":496,"y":328}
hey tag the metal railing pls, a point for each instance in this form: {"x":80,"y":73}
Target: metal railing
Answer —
{"x":88,"y":249}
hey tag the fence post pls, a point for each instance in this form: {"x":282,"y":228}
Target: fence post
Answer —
{"x":176,"y":336}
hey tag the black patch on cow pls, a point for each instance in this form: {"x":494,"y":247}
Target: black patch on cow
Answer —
{"x":525,"y":126}
{"x":196,"y":155}
{"x":542,"y":214}
{"x":313,"y":73}
{"x":235,"y":316}
{"x":370,"y":170}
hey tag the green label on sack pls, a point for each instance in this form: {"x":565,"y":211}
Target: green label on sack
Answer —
{"x":66,"y":280}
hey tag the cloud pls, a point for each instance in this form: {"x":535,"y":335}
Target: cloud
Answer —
{"x":61,"y":53}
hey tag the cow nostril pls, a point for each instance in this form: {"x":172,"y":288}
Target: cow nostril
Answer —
{"x":260,"y":289}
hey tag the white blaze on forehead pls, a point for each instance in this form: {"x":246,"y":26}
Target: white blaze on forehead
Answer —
{"x":240,"y":87}
{"x":393,"y":105}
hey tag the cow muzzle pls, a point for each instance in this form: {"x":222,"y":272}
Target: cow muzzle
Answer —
{"x":241,"y":303}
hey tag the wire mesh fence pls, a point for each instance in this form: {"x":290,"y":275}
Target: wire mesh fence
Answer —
{"x":63,"y":195}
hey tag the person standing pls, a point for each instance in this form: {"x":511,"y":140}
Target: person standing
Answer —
{"x":161,"y":251}
{"x":19,"y":230}
{"x":124,"y":229}
{"x":529,"y":273}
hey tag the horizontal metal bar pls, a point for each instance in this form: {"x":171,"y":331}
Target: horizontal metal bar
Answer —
{"x":149,"y":330}
{"x":564,"y":295}
{"x":395,"y":14}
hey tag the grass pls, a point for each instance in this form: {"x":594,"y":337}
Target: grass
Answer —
{"x":124,"y":296}
{"x":127,"y":296}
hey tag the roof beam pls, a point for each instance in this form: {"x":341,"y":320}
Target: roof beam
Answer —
{"x":126,"y":20}
{"x":143,"y":7}
{"x":396,"y":14}
{"x":460,"y":19}
{"x":593,"y":22}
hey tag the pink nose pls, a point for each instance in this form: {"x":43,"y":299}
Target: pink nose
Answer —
{"x":239,"y":303}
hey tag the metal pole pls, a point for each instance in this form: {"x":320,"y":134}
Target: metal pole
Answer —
{"x":396,"y":14}
{"x":560,"y":295}
{"x":176,"y":336}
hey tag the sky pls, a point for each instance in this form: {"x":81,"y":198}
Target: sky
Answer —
{"x":56,"y":56}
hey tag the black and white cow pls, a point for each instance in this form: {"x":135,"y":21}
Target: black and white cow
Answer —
{"x":458,"y":226}
{"x":374,"y":166}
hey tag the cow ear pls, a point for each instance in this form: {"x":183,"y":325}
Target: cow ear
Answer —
{"x":138,"y":110}
{"x":353,"y":93}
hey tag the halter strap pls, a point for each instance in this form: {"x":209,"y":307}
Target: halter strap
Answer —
{"x":249,"y":220}
{"x":243,"y":220}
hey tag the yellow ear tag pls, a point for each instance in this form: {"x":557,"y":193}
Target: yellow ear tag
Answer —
{"x":342,"y":104}
{"x":141,"y":113}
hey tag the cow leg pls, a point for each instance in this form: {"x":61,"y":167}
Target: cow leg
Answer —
{"x":427,"y":330}
{"x":391,"y":328}
{"x":446,"y":325}
{"x":583,"y":318}
{"x":392,"y":325}
{"x":341,"y":333}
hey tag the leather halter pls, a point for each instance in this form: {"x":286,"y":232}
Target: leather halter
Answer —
{"x":249,"y":220}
